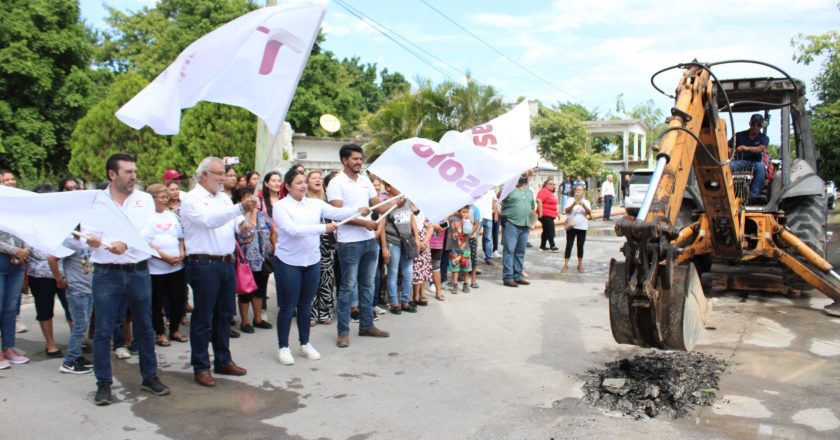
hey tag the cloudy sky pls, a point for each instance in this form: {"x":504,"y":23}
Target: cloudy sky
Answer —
{"x":586,"y":52}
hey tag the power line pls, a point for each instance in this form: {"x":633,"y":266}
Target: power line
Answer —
{"x":361,"y":16}
{"x":532,"y":73}
{"x":370,"y":19}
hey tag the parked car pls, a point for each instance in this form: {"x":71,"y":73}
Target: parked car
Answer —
{"x":639,"y":181}
{"x":830,"y":193}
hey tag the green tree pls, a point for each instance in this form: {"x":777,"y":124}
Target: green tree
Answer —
{"x":99,"y":134}
{"x":431,"y":111}
{"x":45,"y":84}
{"x":563,"y":141}
{"x":209,"y":129}
{"x":148,"y":40}
{"x":825,"y":115}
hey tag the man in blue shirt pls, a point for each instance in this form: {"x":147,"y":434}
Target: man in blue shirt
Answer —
{"x":749,"y":149}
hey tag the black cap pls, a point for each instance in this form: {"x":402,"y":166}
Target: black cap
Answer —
{"x":756,"y":119}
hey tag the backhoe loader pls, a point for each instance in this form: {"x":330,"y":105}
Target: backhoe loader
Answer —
{"x":696,"y":212}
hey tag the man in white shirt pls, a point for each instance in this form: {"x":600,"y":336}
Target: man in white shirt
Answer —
{"x":210,"y":219}
{"x":120,"y":276}
{"x":607,"y":195}
{"x":358,"y":250}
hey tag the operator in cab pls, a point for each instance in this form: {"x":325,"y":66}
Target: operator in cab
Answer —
{"x":749,"y":148}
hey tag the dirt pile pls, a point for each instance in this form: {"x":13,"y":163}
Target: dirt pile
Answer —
{"x":669,"y":383}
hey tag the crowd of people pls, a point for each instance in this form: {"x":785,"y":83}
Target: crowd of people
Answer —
{"x":223,"y":240}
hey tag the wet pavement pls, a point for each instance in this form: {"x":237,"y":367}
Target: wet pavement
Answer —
{"x":497,"y":362}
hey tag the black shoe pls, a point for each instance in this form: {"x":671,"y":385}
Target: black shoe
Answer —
{"x":154,"y":386}
{"x":263,"y":324}
{"x":81,"y":360}
{"x":74,"y":368}
{"x":234,"y":333}
{"x":522,"y":282}
{"x":555,"y":249}
{"x":103,"y":394}
{"x":410,"y":307}
{"x":246,"y":328}
{"x":55,"y":354}
{"x":395,"y":310}
{"x":354,"y":315}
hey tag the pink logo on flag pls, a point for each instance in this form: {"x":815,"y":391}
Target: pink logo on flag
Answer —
{"x":273,"y":45}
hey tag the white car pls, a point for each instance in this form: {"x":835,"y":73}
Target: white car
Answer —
{"x":638,"y":186}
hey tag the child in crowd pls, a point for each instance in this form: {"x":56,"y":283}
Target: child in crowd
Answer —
{"x":474,"y":237}
{"x":76,"y":279}
{"x":460,"y":228}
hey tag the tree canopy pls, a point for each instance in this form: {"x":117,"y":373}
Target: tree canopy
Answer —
{"x":825,"y":114}
{"x":431,"y":111}
{"x":46,"y":84}
{"x":141,"y":44}
{"x":564,"y":142}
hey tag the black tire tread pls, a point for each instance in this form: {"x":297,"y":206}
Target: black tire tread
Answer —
{"x":805,"y":217}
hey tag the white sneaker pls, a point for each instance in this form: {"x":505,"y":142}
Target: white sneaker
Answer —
{"x":379,"y":310}
{"x":309,"y":352}
{"x":20,"y":327}
{"x":285,"y":356}
{"x":122,"y":353}
{"x":497,"y":254}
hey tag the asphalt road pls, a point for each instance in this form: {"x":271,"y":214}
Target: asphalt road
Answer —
{"x":494,"y":363}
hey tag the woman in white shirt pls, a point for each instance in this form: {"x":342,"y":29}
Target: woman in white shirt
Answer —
{"x":166,"y":236}
{"x":579,"y":210}
{"x":297,"y":259}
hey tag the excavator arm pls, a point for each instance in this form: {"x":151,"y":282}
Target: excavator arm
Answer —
{"x":656,"y":298}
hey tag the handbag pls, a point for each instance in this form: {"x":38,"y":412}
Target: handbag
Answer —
{"x":245,"y":283}
{"x":408,"y":246}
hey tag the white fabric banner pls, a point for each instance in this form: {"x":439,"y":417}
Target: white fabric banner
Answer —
{"x":253,"y":62}
{"x":442,"y":177}
{"x":508,"y":134}
{"x":43,"y":221}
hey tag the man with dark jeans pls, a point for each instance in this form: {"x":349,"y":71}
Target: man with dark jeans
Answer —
{"x":516,"y":209}
{"x":119,"y":276}
{"x":210,"y":218}
{"x":357,"y":248}
{"x":607,"y":194}
{"x":487,"y":207}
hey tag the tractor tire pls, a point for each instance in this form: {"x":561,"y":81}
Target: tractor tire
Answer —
{"x":805,"y":217}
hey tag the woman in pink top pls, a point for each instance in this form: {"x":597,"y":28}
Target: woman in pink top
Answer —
{"x":547,"y":212}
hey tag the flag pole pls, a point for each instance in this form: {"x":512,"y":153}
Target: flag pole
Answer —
{"x":371,"y":208}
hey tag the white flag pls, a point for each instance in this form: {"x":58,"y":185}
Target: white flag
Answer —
{"x":442,"y":177}
{"x":510,"y":133}
{"x":253,"y":62}
{"x":43,"y":221}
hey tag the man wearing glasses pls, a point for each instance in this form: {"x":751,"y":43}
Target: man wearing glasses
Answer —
{"x":749,"y":149}
{"x":210,"y":218}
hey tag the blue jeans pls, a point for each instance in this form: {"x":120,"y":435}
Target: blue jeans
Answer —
{"x":759,"y":174}
{"x":399,"y":264}
{"x":110,"y":288}
{"x":11,"y":281}
{"x":80,"y":305}
{"x":487,"y":239}
{"x":214,"y":301}
{"x":119,"y":324}
{"x":607,"y":206}
{"x":513,"y":257}
{"x":296,"y":288}
{"x":358,"y":270}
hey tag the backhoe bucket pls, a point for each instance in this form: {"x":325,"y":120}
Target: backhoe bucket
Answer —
{"x":672,"y":321}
